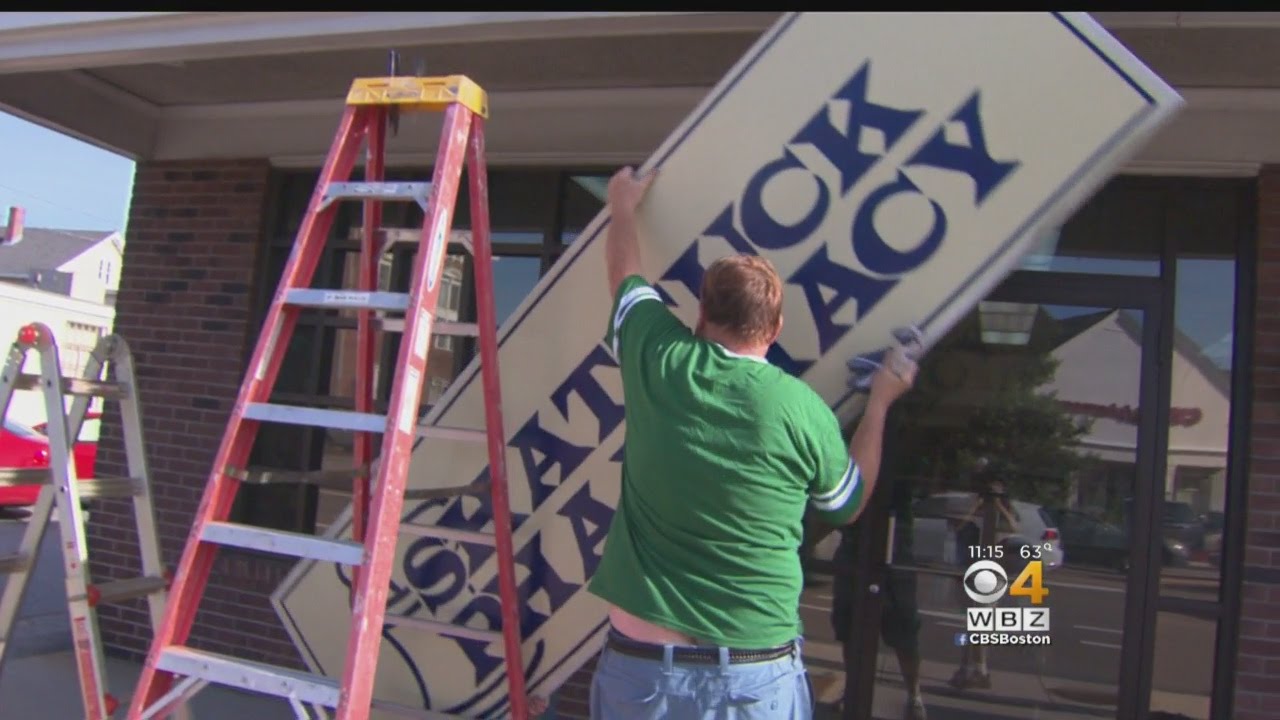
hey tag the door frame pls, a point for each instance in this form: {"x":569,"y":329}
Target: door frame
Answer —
{"x":869,"y":569}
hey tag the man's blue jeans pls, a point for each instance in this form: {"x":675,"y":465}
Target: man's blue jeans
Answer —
{"x":632,"y":688}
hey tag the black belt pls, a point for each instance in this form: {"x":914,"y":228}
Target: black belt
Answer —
{"x":701,"y":655}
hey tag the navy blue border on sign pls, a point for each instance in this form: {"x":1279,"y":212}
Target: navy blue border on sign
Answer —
{"x":576,"y":250}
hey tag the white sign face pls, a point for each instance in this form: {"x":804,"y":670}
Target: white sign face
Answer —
{"x":894,"y":168}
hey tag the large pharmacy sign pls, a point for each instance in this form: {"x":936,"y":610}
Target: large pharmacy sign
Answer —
{"x":894,"y":167}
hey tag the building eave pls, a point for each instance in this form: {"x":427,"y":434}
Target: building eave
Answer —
{"x":172,"y":37}
{"x":41,"y":42}
{"x":1223,"y":132}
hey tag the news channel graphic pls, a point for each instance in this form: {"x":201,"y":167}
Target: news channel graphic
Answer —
{"x":986,"y":582}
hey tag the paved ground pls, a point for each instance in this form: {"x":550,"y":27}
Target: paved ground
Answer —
{"x":1074,"y":678}
{"x":42,"y":618}
{"x":43,"y":687}
{"x":38,"y":681}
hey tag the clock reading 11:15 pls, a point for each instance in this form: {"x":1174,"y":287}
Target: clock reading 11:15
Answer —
{"x":986,"y":552}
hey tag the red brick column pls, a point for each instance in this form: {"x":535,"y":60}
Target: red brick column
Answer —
{"x":1258,"y":666}
{"x":185,"y":306}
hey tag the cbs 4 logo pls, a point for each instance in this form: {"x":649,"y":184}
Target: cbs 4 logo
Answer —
{"x":986,"y":581}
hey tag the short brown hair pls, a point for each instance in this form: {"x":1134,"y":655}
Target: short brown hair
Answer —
{"x":743,"y":295}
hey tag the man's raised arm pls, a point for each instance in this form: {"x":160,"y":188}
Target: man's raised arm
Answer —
{"x":622,"y":243}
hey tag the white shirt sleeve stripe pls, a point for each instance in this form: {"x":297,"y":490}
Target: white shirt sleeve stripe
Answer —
{"x":838,"y":496}
{"x":627,"y":302}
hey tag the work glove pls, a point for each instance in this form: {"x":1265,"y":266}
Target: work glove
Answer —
{"x":910,"y":347}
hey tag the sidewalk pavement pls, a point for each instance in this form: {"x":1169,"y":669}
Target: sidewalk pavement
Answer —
{"x":1013,"y":696}
{"x":44,"y":687}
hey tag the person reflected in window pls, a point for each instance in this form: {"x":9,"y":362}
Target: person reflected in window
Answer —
{"x":988,"y":522}
{"x":899,"y":613}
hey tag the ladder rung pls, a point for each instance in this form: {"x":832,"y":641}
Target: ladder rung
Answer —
{"x":416,"y":191}
{"x":317,"y":417}
{"x":440,"y":432}
{"x":85,"y":487}
{"x":120,"y":590}
{"x":250,"y":675}
{"x":108,"y":488}
{"x":282,"y":542}
{"x":73,"y":386}
{"x":14,"y":563}
{"x":409,"y":712}
{"x":358,"y":299}
{"x":445,"y":533}
{"x":25,"y":476}
{"x":448,"y":629}
{"x":436,"y":493}
{"x":440,"y":327}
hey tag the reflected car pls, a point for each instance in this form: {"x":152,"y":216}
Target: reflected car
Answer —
{"x":1094,"y":541}
{"x":938,"y":517}
{"x":24,"y":447}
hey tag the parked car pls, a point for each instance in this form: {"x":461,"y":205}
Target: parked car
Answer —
{"x":936,"y":518}
{"x":1096,"y":542}
{"x":24,"y":447}
{"x":1179,"y":524}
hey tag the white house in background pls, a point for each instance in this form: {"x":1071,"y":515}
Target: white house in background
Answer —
{"x":65,"y":279}
{"x":83,"y":264}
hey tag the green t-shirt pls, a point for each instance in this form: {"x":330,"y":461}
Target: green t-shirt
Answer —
{"x":722,"y":453}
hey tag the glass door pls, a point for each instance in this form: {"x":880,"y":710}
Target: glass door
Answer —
{"x":1003,"y":515}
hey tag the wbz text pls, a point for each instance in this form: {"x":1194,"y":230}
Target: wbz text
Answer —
{"x":986,"y":582}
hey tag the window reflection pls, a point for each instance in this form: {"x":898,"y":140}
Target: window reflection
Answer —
{"x":1182,"y":682}
{"x":1116,"y":233}
{"x":1011,"y":439}
{"x":513,"y":278}
{"x":584,"y":198}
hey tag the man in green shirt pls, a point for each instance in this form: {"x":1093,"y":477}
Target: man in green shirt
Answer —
{"x":723,"y":450}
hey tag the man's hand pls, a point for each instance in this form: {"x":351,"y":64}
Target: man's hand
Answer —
{"x":626,"y":190}
{"x":622,"y":246}
{"x":894,"y":378}
{"x":891,"y":372}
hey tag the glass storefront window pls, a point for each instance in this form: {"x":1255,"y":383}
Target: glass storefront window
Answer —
{"x":1116,"y":233}
{"x":1000,"y":451}
{"x":584,"y":198}
{"x":1194,"y":487}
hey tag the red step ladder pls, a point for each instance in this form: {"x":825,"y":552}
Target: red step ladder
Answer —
{"x":371,"y":104}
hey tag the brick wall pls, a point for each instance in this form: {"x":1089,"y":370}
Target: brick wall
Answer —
{"x":1258,"y":666}
{"x":184,"y":307}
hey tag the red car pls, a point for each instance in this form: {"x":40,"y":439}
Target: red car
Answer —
{"x":27,"y":447}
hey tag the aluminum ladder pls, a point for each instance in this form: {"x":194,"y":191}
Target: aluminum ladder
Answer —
{"x":62,"y":491}
{"x":371,"y":104}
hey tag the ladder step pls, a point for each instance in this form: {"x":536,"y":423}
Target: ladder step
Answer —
{"x":120,"y":590}
{"x":73,"y":386}
{"x":108,"y":488}
{"x":317,"y":417}
{"x":86,"y":487}
{"x":440,"y":628}
{"x":282,"y":542}
{"x":440,"y":327}
{"x":444,"y":533}
{"x":440,"y":432}
{"x":250,"y":675}
{"x":14,"y":563}
{"x":416,"y":191}
{"x":350,"y":420}
{"x":358,"y":299}
{"x":25,"y":476}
